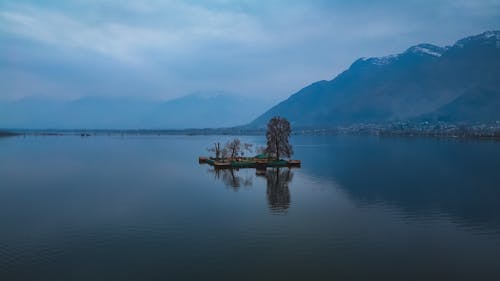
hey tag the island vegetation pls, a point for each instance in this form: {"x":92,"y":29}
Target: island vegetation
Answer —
{"x":232,"y":154}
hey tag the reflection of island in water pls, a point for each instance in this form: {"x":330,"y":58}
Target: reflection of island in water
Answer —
{"x":278,"y":193}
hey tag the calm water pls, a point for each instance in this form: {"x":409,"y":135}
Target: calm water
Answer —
{"x":142,"y":208}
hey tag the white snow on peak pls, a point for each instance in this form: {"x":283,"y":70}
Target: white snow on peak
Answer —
{"x":423,"y":50}
{"x":426,"y":49}
{"x":490,"y":34}
{"x":381,"y":60}
{"x":496,"y":35}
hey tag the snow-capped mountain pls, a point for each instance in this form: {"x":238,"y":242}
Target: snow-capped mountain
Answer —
{"x":418,"y":50}
{"x":426,"y":82}
{"x":427,"y":49}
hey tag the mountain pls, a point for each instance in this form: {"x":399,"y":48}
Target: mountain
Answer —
{"x":426,"y":82}
{"x":199,"y":110}
{"x":204,"y":110}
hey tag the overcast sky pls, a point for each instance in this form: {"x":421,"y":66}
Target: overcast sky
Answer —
{"x":165,"y":49}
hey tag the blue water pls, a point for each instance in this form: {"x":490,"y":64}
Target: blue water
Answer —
{"x":142,"y":208}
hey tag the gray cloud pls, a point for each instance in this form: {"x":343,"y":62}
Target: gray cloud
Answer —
{"x":164,"y":49}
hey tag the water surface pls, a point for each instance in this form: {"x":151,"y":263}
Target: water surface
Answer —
{"x":142,"y":208}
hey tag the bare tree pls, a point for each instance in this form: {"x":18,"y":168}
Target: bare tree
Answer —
{"x":224,"y":153}
{"x":278,"y":132}
{"x":260,"y":149}
{"x":234,"y":147}
{"x":216,"y":150}
{"x":246,"y":147}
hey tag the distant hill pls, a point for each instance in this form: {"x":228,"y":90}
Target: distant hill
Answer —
{"x":458,"y":83}
{"x":192,"y":111}
{"x":204,"y":110}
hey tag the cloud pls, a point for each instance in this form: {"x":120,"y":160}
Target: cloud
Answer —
{"x":116,"y":40}
{"x":166,"y":49}
{"x":127,"y":41}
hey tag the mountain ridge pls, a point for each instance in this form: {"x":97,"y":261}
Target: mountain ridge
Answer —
{"x":194,"y":110}
{"x":413,"y":85}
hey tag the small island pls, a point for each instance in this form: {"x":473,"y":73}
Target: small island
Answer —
{"x":232,"y":155}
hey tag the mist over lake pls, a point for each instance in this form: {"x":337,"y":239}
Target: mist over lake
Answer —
{"x":142,"y":208}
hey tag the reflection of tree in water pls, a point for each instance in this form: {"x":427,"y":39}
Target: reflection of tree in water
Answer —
{"x":231,"y":178}
{"x":278,"y":194}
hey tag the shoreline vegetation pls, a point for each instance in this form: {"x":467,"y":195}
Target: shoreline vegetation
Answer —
{"x":405,"y":129}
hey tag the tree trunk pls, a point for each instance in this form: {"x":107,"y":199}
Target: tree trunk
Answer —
{"x":277,"y":151}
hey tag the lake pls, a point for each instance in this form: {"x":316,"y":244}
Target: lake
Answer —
{"x":143,"y":208}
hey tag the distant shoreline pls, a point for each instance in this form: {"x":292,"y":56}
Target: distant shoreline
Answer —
{"x":403,"y":129}
{"x":5,"y":133}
